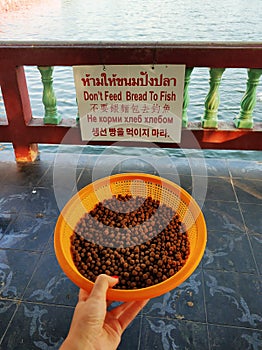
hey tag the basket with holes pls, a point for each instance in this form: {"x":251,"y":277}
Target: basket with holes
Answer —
{"x":161,"y":190}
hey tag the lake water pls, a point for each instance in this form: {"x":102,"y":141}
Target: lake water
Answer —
{"x":137,"y":20}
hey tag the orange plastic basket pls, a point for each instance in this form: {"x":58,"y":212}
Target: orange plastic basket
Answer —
{"x":136,"y":184}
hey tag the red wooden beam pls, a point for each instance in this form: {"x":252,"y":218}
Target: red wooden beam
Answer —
{"x":221,"y":55}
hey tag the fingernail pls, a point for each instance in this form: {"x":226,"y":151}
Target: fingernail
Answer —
{"x":115,"y":277}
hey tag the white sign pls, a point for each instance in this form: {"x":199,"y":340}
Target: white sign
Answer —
{"x":139,"y":103}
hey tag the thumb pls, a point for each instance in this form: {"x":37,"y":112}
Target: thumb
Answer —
{"x":102,"y":283}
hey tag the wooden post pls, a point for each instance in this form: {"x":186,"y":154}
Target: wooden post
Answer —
{"x":18,"y":112}
{"x":248,"y":102}
{"x":186,"y":96}
{"x":49,"y":98}
{"x":212,"y":100}
{"x":26,"y":153}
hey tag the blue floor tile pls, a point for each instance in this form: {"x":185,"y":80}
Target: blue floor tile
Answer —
{"x":252,"y":217}
{"x":234,"y":338}
{"x":225,"y":216}
{"x":28,"y":232}
{"x":256,"y":243}
{"x":7,"y":310}
{"x":229,"y":251}
{"x":37,"y":326}
{"x":245,"y":169}
{"x":185,"y":302}
{"x":248,"y":190}
{"x":218,"y":307}
{"x":16,"y":269}
{"x":166,"y":334}
{"x":238,"y":297}
{"x":50,"y":285}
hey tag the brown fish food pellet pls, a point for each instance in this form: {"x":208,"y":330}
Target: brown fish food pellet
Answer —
{"x":139,"y":240}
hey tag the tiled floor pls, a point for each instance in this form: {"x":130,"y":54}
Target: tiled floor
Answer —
{"x":218,"y":308}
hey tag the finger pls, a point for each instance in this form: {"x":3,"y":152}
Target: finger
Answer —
{"x":130,"y":313}
{"x":102,"y":283}
{"x":118,"y":310}
{"x":126,"y":312}
{"x":83,"y":295}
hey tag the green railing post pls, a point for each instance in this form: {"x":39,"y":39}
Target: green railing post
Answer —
{"x":49,"y":98}
{"x":186,"y":96}
{"x":245,"y":119}
{"x":212,"y":100}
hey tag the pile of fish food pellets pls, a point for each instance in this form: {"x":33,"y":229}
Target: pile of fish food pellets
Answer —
{"x":137,"y":239}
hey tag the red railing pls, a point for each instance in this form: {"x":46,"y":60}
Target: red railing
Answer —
{"x":25,"y":132}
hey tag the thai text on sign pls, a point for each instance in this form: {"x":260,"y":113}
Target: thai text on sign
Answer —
{"x":133,"y":102}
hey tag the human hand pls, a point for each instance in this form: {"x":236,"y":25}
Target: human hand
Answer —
{"x":95,"y":328}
